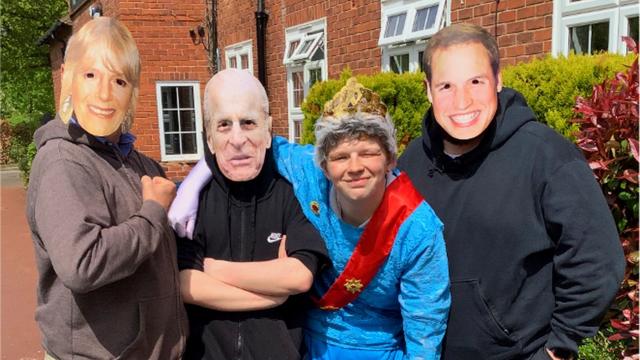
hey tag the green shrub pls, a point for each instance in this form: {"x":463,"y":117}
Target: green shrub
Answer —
{"x":551,"y":85}
{"x":22,"y":150}
{"x":402,"y":93}
{"x":608,"y":137}
{"x":600,"y":347}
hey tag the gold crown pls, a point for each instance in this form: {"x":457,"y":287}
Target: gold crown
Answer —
{"x":352,"y":98}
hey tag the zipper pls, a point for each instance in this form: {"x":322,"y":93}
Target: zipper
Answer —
{"x":239,"y":342}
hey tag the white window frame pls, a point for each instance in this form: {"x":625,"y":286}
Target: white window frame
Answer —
{"x":413,"y":50}
{"x":409,"y":42}
{"x":410,"y":7}
{"x":568,"y":14}
{"x":195,"y":85}
{"x":315,"y":31}
{"x":236,"y":51}
{"x":626,"y":12}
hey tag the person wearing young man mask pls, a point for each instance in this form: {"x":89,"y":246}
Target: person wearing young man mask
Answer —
{"x":534,"y":255}
{"x":386,"y":294}
{"x":108,"y":280}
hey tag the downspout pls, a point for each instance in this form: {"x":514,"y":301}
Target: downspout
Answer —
{"x":212,"y":48}
{"x":261,"y":29}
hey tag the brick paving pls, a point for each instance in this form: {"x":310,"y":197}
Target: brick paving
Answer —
{"x":20,"y":339}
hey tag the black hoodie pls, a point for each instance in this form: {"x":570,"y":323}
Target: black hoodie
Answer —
{"x":236,"y":222}
{"x":534,"y":255}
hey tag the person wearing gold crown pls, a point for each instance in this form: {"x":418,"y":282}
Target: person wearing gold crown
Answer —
{"x":386,"y":293}
{"x":97,"y":210}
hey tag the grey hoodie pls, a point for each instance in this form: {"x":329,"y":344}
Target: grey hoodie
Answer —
{"x":108,"y":280}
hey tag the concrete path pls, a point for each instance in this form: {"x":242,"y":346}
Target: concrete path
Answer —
{"x":20,"y":339}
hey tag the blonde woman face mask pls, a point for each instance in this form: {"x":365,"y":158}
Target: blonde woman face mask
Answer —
{"x":101,"y":94}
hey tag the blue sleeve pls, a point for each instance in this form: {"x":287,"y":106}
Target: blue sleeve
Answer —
{"x":424,"y":285}
{"x":295,"y":163}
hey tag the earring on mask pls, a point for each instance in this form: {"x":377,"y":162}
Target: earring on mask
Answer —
{"x":127,"y":122}
{"x":66,"y":110}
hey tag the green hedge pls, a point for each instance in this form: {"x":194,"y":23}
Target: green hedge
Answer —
{"x":550,"y":86}
{"x":403,"y":94}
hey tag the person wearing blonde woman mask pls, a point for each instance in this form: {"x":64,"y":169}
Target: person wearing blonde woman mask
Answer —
{"x":108,"y":279}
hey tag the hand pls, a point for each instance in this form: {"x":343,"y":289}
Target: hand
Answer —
{"x":158,"y":189}
{"x":554,"y":354}
{"x":183,"y":213}
{"x":282,"y":249}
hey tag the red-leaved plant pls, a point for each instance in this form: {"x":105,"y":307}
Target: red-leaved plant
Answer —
{"x":608,"y":137}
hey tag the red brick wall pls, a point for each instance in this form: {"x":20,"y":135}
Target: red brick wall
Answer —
{"x":351,"y":39}
{"x":161,"y":29}
{"x":524,"y":26}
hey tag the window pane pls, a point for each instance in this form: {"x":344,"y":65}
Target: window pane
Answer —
{"x":633,"y":28}
{"x":599,"y":37}
{"x":319,"y":53}
{"x":425,"y":18}
{"x":298,"y":88}
{"x":244,"y":61}
{"x":420,"y":63}
{"x":297,"y":131}
{"x":590,"y":38}
{"x":169,"y":99}
{"x":306,"y":46}
{"x":292,"y":47}
{"x":579,"y":39}
{"x":187,"y":120}
{"x":431,"y":20}
{"x":395,"y":25}
{"x":189,"y":143}
{"x":185,"y":97}
{"x":170,"y":118}
{"x":233,"y":63}
{"x":399,"y":63}
{"x":420,"y":20}
{"x":315,"y":75}
{"x":172,"y":144}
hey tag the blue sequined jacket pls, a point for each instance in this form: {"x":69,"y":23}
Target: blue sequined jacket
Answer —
{"x":406,"y":305}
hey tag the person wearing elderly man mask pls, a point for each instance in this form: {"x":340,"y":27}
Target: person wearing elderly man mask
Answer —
{"x":386,"y":294}
{"x":246,"y":211}
{"x":108,"y":280}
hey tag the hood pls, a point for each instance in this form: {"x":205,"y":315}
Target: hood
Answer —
{"x":57,"y":130}
{"x":512,"y":113}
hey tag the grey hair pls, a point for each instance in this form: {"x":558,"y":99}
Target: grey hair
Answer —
{"x":330,"y":131}
{"x":207,"y":111}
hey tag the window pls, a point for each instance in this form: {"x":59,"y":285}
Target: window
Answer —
{"x":590,"y":26}
{"x":76,"y":4}
{"x":590,"y":38}
{"x":240,"y":56}
{"x":180,"y":120}
{"x":304,"y":59}
{"x":405,"y":27}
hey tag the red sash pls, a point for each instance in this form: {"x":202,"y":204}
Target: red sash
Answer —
{"x":374,"y":246}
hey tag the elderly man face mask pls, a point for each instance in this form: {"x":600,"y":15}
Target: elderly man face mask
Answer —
{"x":238,"y":125}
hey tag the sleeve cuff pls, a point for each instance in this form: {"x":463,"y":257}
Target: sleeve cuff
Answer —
{"x":558,"y":340}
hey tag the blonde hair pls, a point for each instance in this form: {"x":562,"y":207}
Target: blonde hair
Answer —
{"x":122,"y":55}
